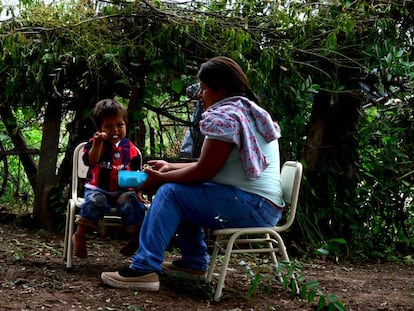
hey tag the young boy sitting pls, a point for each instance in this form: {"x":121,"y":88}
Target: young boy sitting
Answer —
{"x":107,"y":152}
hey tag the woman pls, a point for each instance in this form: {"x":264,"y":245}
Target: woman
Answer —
{"x":234,"y":183}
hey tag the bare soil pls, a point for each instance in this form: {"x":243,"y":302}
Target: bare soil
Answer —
{"x":33,"y":277}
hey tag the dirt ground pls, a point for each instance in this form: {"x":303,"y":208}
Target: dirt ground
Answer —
{"x":33,"y":277}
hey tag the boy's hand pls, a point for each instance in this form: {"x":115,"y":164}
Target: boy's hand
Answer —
{"x":100,"y":136}
{"x":141,"y":197}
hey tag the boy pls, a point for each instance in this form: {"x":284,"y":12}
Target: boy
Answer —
{"x":107,"y":152}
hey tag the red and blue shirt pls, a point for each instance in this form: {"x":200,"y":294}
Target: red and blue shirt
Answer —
{"x":104,"y":175}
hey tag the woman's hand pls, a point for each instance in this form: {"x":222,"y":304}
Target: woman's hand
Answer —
{"x":154,"y":180}
{"x":213,"y":155}
{"x":159,"y":165}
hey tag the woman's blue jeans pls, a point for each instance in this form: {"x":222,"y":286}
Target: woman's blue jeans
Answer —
{"x":186,"y":210}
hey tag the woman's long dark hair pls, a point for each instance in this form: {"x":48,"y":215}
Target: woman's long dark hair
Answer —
{"x":223,"y":73}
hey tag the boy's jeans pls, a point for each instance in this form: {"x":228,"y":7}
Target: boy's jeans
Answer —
{"x":97,"y":203}
{"x":186,"y":210}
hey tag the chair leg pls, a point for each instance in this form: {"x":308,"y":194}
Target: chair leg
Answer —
{"x":65,"y":241}
{"x":71,"y":213}
{"x":285,"y":257}
{"x":272,"y":254}
{"x":281,"y":248}
{"x":212,"y":264}
{"x":223,"y":272}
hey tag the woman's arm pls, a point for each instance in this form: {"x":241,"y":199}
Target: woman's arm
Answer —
{"x":164,"y":166}
{"x":213,"y":155}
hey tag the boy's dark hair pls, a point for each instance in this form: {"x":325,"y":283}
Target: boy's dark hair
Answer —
{"x":108,"y":108}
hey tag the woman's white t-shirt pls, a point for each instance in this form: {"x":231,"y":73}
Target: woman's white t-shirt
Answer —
{"x":267,"y":185}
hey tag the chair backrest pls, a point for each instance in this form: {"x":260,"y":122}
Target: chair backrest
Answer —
{"x":79,"y":169}
{"x":290,"y":177}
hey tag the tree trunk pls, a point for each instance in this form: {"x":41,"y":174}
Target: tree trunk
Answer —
{"x":316,"y":132}
{"x":46,"y":176}
{"x":136,"y":128}
{"x":80,"y":129}
{"x":330,"y":156}
{"x":17,"y":138}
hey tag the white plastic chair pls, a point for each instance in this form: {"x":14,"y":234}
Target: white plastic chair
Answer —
{"x":79,"y":172}
{"x":258,"y":239}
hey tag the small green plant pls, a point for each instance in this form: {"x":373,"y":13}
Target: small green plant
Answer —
{"x":331,"y":248}
{"x":18,"y":254}
{"x":256,"y":279}
{"x":291,"y":274}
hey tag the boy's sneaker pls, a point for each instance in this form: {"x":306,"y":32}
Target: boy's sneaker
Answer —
{"x":177,"y":269}
{"x":130,"y":279}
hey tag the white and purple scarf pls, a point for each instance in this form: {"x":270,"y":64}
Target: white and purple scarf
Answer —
{"x":230,"y":119}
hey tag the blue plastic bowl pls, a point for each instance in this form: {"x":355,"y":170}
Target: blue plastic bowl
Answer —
{"x":131,"y":179}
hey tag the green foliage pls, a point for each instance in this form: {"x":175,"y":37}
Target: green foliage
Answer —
{"x":18,"y":195}
{"x":385,"y":195}
{"x":387,"y":187}
{"x":337,"y":204}
{"x":331,"y":248}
